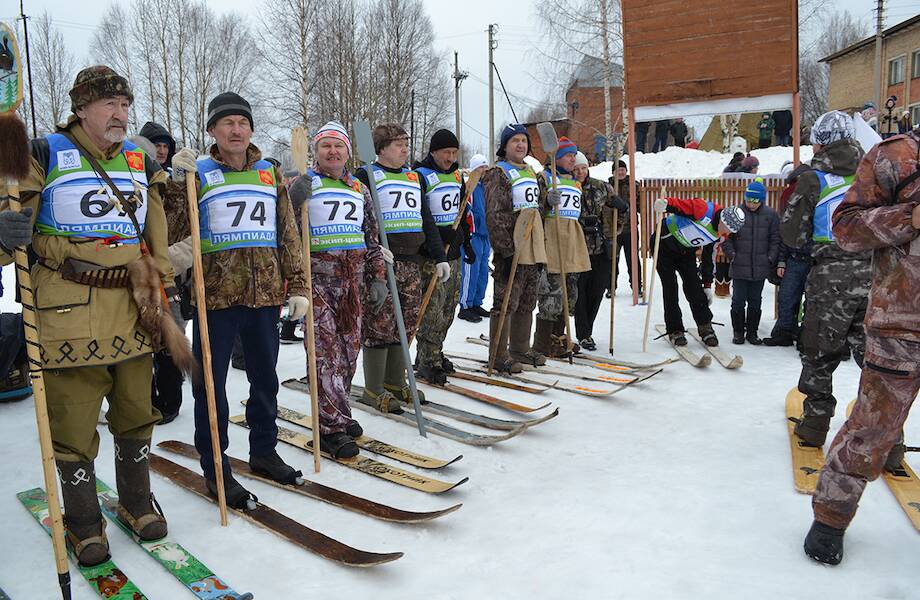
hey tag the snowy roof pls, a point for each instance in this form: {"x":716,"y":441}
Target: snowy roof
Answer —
{"x":590,"y":73}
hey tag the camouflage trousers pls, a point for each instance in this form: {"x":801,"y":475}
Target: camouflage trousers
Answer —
{"x":523,"y":297}
{"x":549,"y":295}
{"x":439,"y":315}
{"x":379,"y":329}
{"x":888,"y":386}
{"x":836,"y":294}
{"x":338,"y":341}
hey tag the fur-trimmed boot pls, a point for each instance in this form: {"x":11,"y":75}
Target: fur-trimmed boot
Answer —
{"x":137,"y":508}
{"x":83,"y":520}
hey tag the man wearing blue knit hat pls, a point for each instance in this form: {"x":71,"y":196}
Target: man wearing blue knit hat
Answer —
{"x":752,"y":251}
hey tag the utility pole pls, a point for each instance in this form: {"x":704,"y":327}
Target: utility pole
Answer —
{"x":458,"y":77}
{"x":879,"y":21}
{"x":25,"y":32}
{"x":492,"y":46}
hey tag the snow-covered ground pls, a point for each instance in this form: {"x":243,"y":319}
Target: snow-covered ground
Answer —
{"x":679,"y":488}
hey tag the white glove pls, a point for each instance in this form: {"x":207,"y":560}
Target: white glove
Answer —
{"x":708,"y":292}
{"x":184,"y":161}
{"x":387,"y":255}
{"x":297,"y":307}
{"x":661,"y":205}
{"x":443,"y":271}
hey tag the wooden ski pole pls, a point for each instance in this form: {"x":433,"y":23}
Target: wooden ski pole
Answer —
{"x":205,"y":341}
{"x":299,"y":146}
{"x":651,"y":288}
{"x":14,"y":166}
{"x":493,"y":350}
{"x":613,"y":274}
{"x":471,"y":184}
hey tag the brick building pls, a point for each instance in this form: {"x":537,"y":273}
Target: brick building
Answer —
{"x":584,"y":99}
{"x":852,"y":71}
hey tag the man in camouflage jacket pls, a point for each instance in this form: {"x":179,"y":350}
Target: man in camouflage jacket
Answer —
{"x":838,"y":283}
{"x":880,"y":213}
{"x":252,"y":261}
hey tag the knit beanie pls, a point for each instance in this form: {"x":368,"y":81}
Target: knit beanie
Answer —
{"x":566,"y":146}
{"x":750,"y":161}
{"x":227,"y":104}
{"x":756,"y":191}
{"x":443,"y":138}
{"x":509,"y":132}
{"x":333,"y":129}
{"x":581,"y":159}
{"x":733,"y":217}
{"x":477,"y":161}
{"x":622,"y":164}
{"x":832,"y":127}
{"x":99,"y":81}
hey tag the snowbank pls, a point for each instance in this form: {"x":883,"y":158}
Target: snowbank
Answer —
{"x":693,"y":164}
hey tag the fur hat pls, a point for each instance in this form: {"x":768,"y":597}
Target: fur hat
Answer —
{"x":99,"y":81}
{"x":386,"y":133}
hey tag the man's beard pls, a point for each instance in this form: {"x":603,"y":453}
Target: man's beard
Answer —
{"x":113,"y":135}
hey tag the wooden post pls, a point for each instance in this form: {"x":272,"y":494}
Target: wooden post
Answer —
{"x":633,"y":221}
{"x":613,"y":274}
{"x":796,"y":128}
{"x":651,"y":289}
{"x":205,"y":341}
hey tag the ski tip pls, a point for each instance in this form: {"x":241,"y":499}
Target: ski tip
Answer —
{"x":246,"y":596}
{"x":373,"y":559}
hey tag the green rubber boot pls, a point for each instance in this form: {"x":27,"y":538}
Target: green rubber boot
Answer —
{"x":394,"y":380}
{"x":375,"y":362}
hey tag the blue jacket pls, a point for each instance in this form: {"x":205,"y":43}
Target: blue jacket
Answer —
{"x":479,"y":212}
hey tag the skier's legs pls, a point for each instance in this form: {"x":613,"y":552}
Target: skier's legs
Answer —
{"x":259,"y":338}
{"x":74,"y":400}
{"x":480,"y":273}
{"x":336,"y":360}
{"x":223,"y":327}
{"x":693,"y":289}
{"x":791,"y":289}
{"x":131,"y":414}
{"x":888,"y":386}
{"x":667,"y":272}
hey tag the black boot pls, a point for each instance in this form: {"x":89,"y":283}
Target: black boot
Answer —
{"x":753,"y":323}
{"x":446,"y":365}
{"x":678,"y":338}
{"x":780,"y":338}
{"x":83,"y":521}
{"x":273,"y":466}
{"x":354,"y":429}
{"x":824,"y":543}
{"x":708,"y":335}
{"x":813,"y":430}
{"x":737,"y":326}
{"x":896,"y":455}
{"x":481,"y":311}
{"x":432,"y":374}
{"x":469,"y":315}
{"x":167,"y":387}
{"x":340,"y":445}
{"x":137,"y":507}
{"x":238,"y":497}
{"x":289,"y":333}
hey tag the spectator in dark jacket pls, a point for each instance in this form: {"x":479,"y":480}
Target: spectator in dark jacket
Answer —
{"x":750,"y":164}
{"x":619,"y":181}
{"x":641,"y":135}
{"x":765,"y":130}
{"x":792,"y":267}
{"x":753,"y":252}
{"x":679,"y":133}
{"x":661,"y":134}
{"x":734,"y":165}
{"x":783,"y":121}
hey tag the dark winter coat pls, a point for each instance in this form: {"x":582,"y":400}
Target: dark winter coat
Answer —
{"x":156,"y":133}
{"x":754,"y":250}
{"x":679,"y":132}
{"x":783,"y":121}
{"x":462,"y":234}
{"x":597,"y":203}
{"x":766,"y":127}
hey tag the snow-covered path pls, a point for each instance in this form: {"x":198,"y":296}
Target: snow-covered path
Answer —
{"x":680,"y":488}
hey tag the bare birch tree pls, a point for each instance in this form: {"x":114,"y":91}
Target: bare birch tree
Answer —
{"x":54,"y":68}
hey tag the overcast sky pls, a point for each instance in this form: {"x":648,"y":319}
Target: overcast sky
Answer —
{"x":464,"y":32}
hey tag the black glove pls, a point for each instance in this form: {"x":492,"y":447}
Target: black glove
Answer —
{"x":469,"y":255}
{"x":505,"y":263}
{"x":377,"y":294}
{"x":590,"y":224}
{"x":15,"y":228}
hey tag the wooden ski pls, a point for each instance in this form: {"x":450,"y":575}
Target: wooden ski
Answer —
{"x":320,"y":492}
{"x":685,"y":353}
{"x":273,"y":521}
{"x":729,"y":361}
{"x":806,"y":460}
{"x":364,"y":464}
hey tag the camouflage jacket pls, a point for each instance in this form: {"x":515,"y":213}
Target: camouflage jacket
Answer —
{"x":506,"y":227}
{"x":595,"y":198}
{"x":253,"y":277}
{"x":872,"y":217}
{"x":621,"y":190}
{"x":797,"y":222}
{"x":81,"y":325}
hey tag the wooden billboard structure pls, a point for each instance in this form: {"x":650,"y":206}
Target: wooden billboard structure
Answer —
{"x":707,"y":57}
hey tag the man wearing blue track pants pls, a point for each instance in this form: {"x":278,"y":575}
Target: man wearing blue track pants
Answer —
{"x":475,"y":277}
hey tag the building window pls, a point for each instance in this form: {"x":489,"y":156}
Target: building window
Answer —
{"x":915,"y":65}
{"x":915,"y":115}
{"x":896,"y":70}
